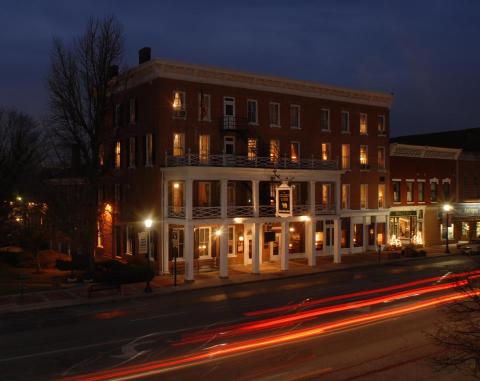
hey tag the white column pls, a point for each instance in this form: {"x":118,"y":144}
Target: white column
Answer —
{"x":166,"y":199}
{"x":284,"y":246}
{"x":387,"y":228}
{"x":188,"y":252}
{"x":337,"y":258}
{"x":256,"y":199}
{"x":188,"y":199}
{"x":165,"y":243}
{"x":256,"y":247}
{"x":310,"y":248}
{"x":223,"y":197}
{"x":312,"y":198}
{"x":224,"y":252}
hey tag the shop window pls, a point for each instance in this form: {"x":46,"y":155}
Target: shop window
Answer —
{"x":477,"y":230}
{"x":381,"y":233}
{"x":465,"y":231}
{"x":371,"y":234}
{"x":345,"y":233}
{"x":319,"y":236}
{"x":450,"y":231}
{"x":358,"y":235}
{"x":231,"y":239}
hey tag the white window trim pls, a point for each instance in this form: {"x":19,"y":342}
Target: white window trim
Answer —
{"x":434,"y":180}
{"x":348,"y":122}
{"x":299,"y":127}
{"x":234,"y":144}
{"x":279,"y":121}
{"x":209,"y":114}
{"x":256,"y":112}
{"x":447,"y":180}
{"x":328,"y":129}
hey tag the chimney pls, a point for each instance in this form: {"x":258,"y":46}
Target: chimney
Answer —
{"x":144,"y":55}
{"x":112,"y":71}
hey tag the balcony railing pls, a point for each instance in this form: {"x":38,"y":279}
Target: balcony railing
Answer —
{"x":244,"y":161}
{"x":240,"y":211}
{"x":176,"y":211}
{"x":324,"y":209}
{"x":230,"y":122}
{"x":266,"y":211}
{"x":299,"y":210}
{"x":206,"y":212}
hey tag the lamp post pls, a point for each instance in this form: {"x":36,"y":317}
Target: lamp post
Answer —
{"x":446,"y":208}
{"x":148,"y":224}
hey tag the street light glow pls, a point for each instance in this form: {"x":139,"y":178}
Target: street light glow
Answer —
{"x":148,"y":223}
{"x":447,"y":207}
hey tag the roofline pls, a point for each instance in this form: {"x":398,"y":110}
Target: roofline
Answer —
{"x":454,"y":151}
{"x":162,"y":68}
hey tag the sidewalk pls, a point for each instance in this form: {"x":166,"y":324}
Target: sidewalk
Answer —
{"x":163,"y":284}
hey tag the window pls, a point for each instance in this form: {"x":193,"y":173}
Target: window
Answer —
{"x":446,"y":189}
{"x":133,"y":111}
{"x":231,"y":239}
{"x":179,"y":105}
{"x":252,"y":111}
{"x":433,"y":190}
{"x":101,"y":155}
{"x":295,"y":151}
{"x":178,"y":144}
{"x":118,"y":115}
{"x":345,"y":156}
{"x":274,"y":114}
{"x":148,"y":150}
{"x":204,"y":193}
{"x":345,"y":122}
{"x":204,"y":147}
{"x":229,"y":145}
{"x":294,"y":116}
{"x":325,"y":151}
{"x":118,"y":154}
{"x":381,"y":195}
{"x":381,"y":157}
{"x":409,"y":191}
{"x":381,"y":124}
{"x":274,"y":150}
{"x":363,"y":124}
{"x":421,"y":191}
{"x":357,"y":235}
{"x":363,"y":157}
{"x":326,"y":195}
{"x":204,"y":107}
{"x":396,"y":191}
{"x":132,"y":143}
{"x":325,"y":119}
{"x":345,"y":196}
{"x":252,"y":148}
{"x":363,"y":196}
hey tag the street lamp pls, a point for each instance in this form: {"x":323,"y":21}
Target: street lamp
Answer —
{"x":446,"y":208}
{"x":148,"y":224}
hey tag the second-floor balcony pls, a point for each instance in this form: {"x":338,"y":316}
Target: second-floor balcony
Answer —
{"x":226,"y":160}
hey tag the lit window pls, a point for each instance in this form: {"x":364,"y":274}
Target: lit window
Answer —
{"x":364,"y":157}
{"x":381,"y":124}
{"x":274,"y":114}
{"x":118,"y":154}
{"x":204,"y":107}
{"x":178,"y":144}
{"x":326,"y":194}
{"x":204,"y":147}
{"x":363,"y":196}
{"x":252,"y":148}
{"x":363,"y":124}
{"x":325,"y":119}
{"x":295,"y":151}
{"x":345,"y":121}
{"x":345,"y":156}
{"x":381,"y":157}
{"x":381,"y":195}
{"x":274,"y":150}
{"x":325,"y":151}
{"x":178,"y":104}
{"x":345,"y":196}
{"x":294,"y":116}
{"x":252,"y":111}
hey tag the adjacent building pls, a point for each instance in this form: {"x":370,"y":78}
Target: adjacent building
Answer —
{"x":201,"y":151}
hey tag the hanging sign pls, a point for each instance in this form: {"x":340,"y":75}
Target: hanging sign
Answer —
{"x":142,"y":243}
{"x":284,"y":200}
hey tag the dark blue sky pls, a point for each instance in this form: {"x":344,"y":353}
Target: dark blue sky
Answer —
{"x":426,"y":52}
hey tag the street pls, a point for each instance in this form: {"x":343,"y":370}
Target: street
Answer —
{"x":365,"y":324}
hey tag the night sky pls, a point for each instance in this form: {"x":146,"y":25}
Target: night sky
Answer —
{"x":426,"y":52}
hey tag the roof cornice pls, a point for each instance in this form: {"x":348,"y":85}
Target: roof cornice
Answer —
{"x":160,"y":68}
{"x":426,"y":152}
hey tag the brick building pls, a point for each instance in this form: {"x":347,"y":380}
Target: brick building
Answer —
{"x":201,"y":151}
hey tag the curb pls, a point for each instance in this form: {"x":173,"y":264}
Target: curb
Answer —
{"x":171,"y":291}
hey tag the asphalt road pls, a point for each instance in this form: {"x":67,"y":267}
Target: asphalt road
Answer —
{"x":227,"y":334}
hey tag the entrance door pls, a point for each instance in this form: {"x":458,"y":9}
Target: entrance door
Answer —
{"x":229,"y":113}
{"x":247,"y":259}
{"x":204,"y":247}
{"x":275,"y":247}
{"x":329,"y":237}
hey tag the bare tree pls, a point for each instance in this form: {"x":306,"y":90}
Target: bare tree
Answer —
{"x":78,"y":84}
{"x":458,"y":333}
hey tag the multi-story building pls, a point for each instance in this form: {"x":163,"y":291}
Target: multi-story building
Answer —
{"x":202,"y":151}
{"x":430,"y":171}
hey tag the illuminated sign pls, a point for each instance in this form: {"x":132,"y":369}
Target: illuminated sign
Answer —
{"x":284,"y":201}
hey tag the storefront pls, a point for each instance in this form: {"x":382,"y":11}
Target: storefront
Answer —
{"x":406,"y":227}
{"x":465,"y":221}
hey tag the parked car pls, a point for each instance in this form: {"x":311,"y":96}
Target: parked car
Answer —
{"x":470,"y":248}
